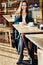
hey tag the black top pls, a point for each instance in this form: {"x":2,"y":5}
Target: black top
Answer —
{"x":27,"y":19}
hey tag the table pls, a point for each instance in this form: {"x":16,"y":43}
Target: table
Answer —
{"x":26,"y":29}
{"x":29,"y":30}
{"x":9,"y":18}
{"x":37,"y":39}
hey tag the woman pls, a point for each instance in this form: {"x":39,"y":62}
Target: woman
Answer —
{"x":23,"y":17}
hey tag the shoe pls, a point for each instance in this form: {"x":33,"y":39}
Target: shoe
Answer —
{"x":30,"y":60}
{"x":20,"y":60}
{"x":29,"y":56}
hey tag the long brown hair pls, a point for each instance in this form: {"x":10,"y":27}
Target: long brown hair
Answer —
{"x":26,"y":7}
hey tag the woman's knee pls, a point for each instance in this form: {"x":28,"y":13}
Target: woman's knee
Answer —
{"x":22,"y":35}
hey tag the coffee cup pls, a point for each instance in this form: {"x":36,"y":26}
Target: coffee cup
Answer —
{"x":30,"y":24}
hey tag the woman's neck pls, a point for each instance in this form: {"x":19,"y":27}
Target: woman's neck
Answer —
{"x":23,"y":12}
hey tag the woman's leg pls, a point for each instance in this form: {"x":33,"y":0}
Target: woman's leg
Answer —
{"x":21,"y":45}
{"x":25,"y":41}
{"x":30,"y":52}
{"x":21,"y":50}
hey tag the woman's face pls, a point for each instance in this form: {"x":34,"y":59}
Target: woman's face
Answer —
{"x":24,"y":6}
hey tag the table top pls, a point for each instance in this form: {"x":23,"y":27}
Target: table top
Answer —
{"x":37,"y":39}
{"x":9,"y":18}
{"x":26,"y":29}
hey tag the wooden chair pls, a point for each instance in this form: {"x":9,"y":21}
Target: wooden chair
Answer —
{"x":7,"y":31}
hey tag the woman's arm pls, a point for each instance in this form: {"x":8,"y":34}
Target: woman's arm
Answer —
{"x":19,"y":9}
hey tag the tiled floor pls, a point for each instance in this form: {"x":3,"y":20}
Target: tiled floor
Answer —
{"x":8,"y":55}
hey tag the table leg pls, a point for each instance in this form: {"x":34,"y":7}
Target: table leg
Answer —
{"x":6,"y":36}
{"x":10,"y":37}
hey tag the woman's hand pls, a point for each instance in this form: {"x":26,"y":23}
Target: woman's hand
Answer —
{"x":23,"y":23}
{"x":20,"y":4}
{"x":19,"y":9}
